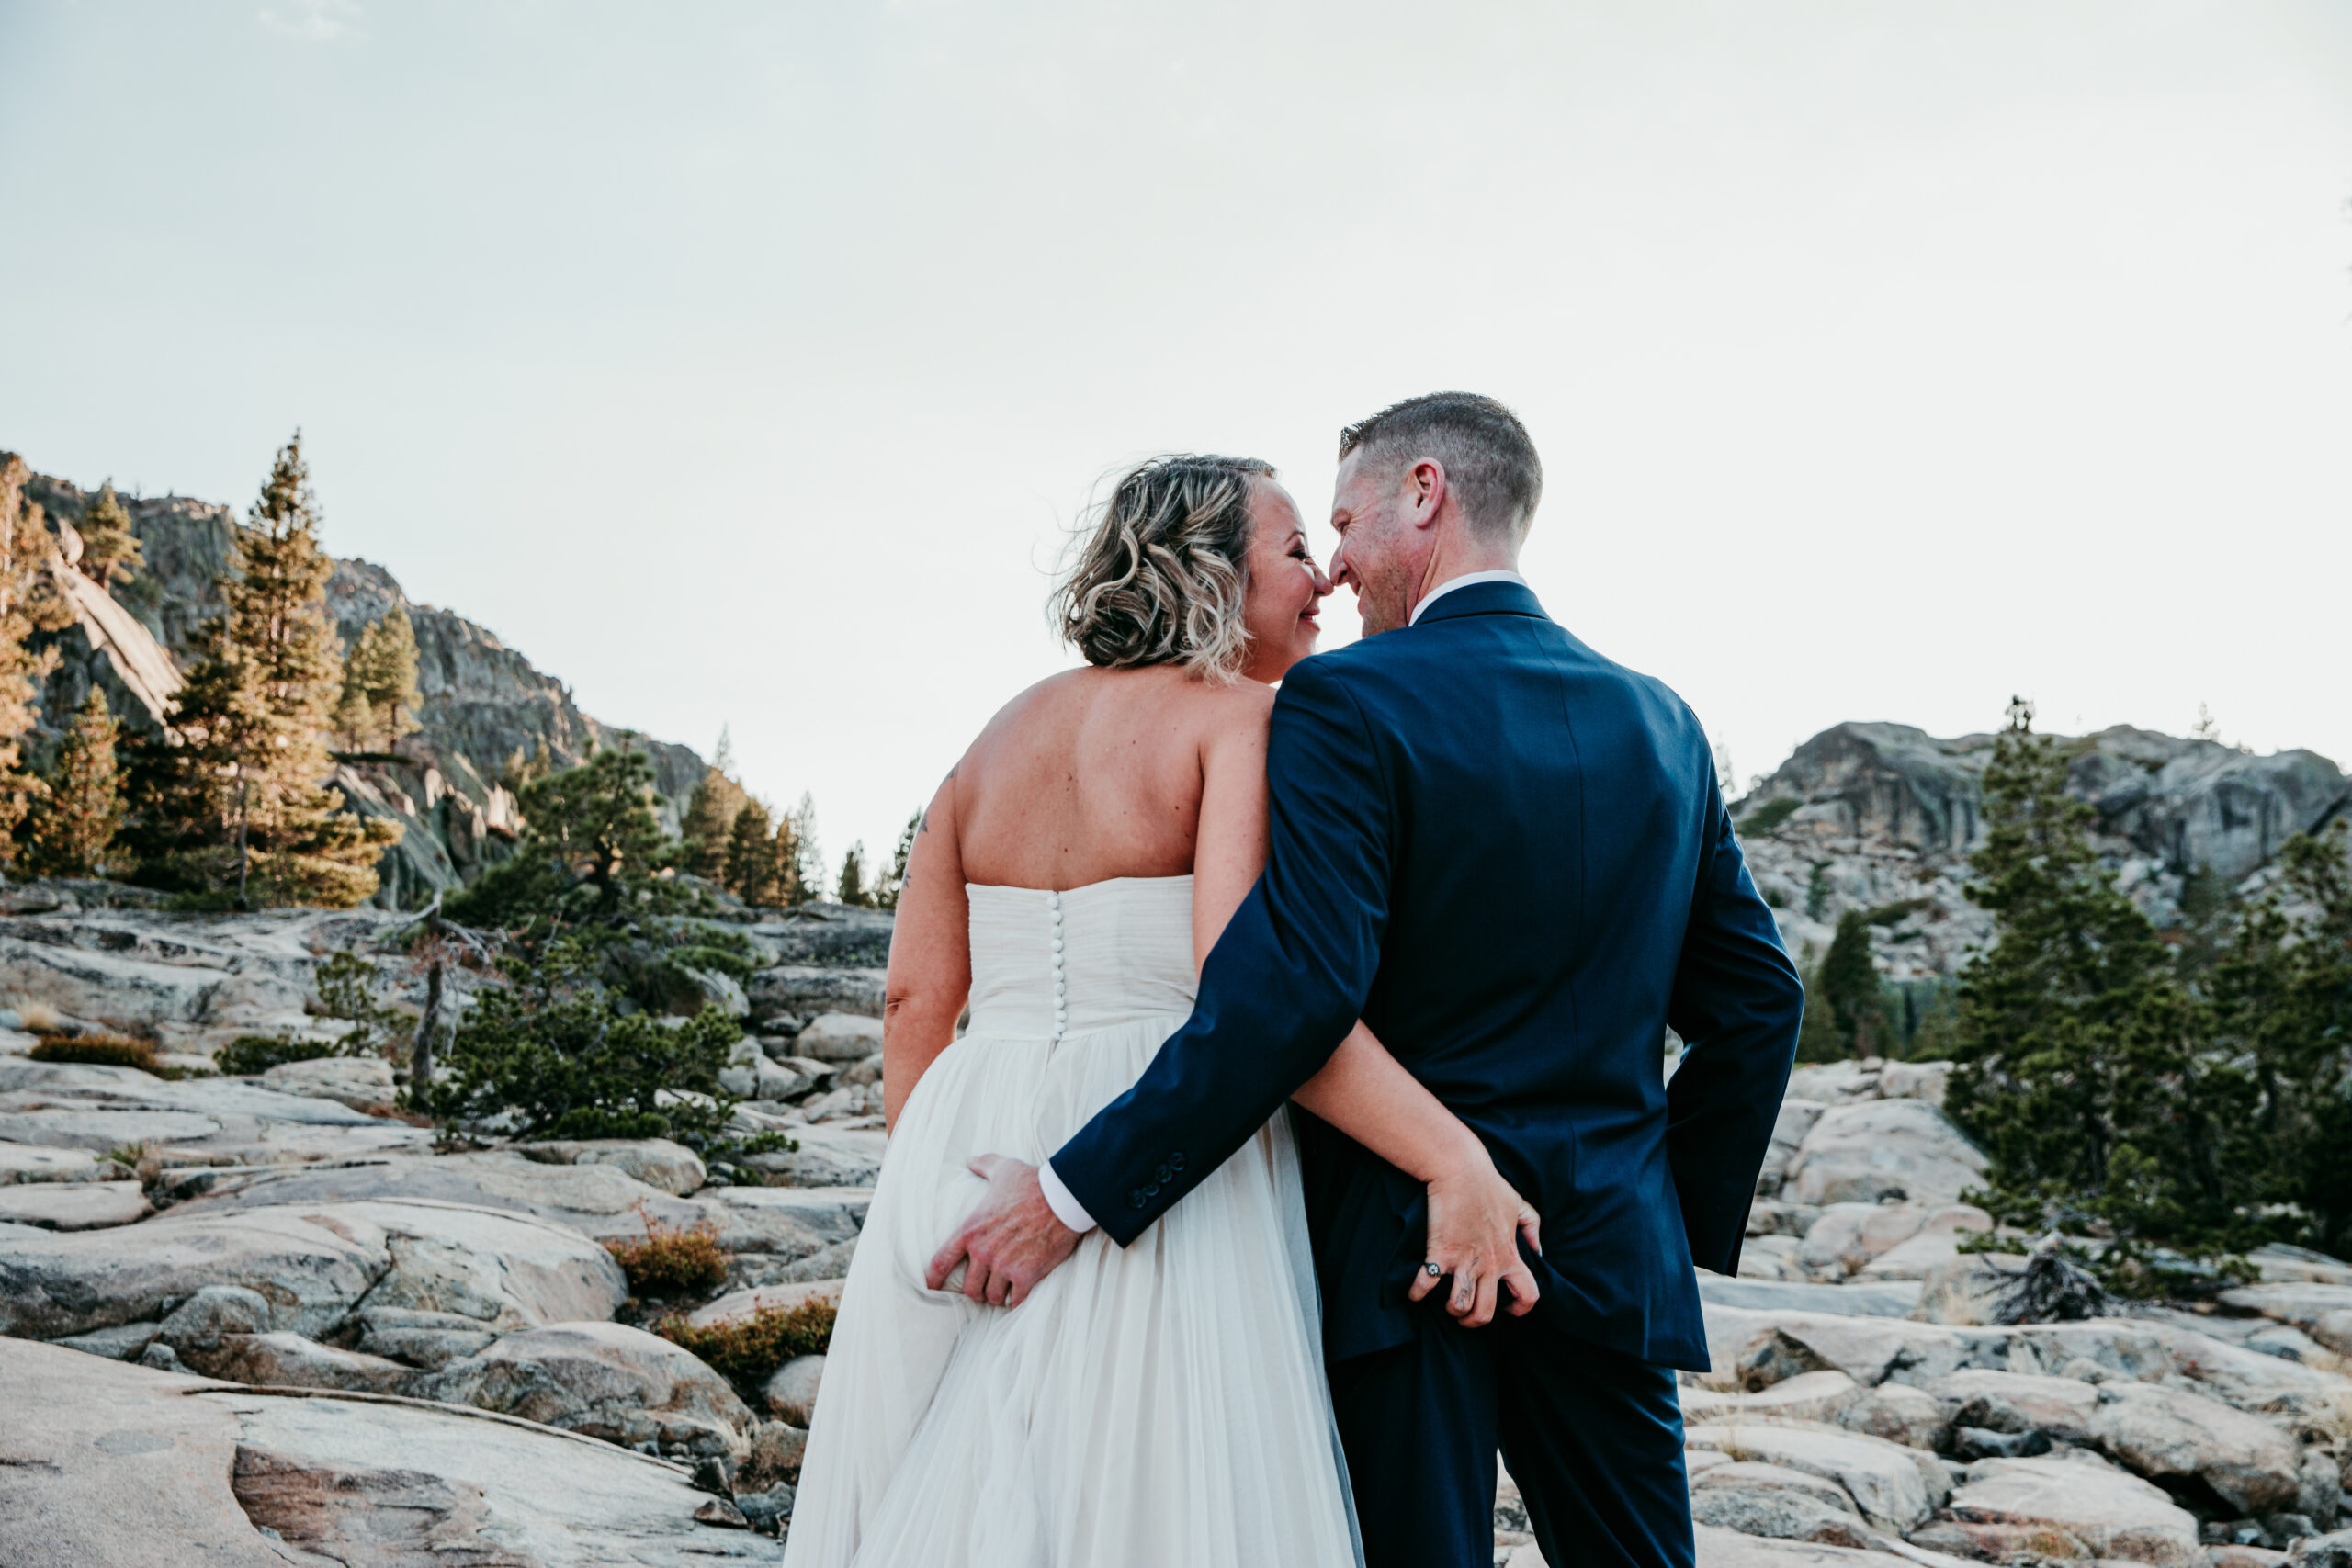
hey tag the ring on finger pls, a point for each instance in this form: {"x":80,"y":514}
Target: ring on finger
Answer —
{"x":1432,"y":1270}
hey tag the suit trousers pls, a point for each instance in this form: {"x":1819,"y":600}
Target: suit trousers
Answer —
{"x":1592,"y":1439}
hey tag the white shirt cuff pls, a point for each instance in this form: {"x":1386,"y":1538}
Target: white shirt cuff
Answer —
{"x":1058,"y":1198}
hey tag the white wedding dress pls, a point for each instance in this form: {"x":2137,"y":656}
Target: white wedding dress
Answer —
{"x":1160,"y":1403}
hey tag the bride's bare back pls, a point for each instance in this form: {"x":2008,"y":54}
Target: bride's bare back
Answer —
{"x":1097,"y":774}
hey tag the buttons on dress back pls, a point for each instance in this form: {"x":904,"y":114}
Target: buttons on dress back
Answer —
{"x":1061,"y":978}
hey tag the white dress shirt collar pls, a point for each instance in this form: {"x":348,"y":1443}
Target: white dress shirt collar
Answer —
{"x":1467,"y":580}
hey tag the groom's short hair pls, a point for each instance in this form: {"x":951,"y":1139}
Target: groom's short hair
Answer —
{"x":1489,"y":461}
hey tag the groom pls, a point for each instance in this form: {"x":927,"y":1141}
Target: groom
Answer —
{"x":1510,"y":858}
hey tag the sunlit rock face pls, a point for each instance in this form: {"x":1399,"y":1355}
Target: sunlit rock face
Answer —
{"x":484,"y":703}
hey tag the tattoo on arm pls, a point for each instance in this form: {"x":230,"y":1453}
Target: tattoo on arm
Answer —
{"x":950,"y":779}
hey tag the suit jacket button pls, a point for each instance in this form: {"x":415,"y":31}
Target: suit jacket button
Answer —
{"x":1151,"y":1189}
{"x":1164,"y":1173}
{"x":1135,"y":1200}
{"x":1176,"y":1160}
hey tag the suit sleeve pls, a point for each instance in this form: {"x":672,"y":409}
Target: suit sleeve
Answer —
{"x":1736,"y":1004}
{"x":1282,"y":985}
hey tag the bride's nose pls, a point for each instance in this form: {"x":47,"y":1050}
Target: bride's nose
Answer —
{"x":1322,"y":582}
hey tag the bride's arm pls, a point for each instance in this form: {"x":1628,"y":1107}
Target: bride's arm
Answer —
{"x":1475,"y":1215}
{"x":931,"y":957}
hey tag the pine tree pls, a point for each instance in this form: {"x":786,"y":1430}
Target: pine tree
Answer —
{"x":110,"y":551}
{"x":705,"y":831}
{"x":29,"y":601}
{"x":232,"y":799}
{"x":1849,"y":985}
{"x":379,"y":698}
{"x":804,"y":856}
{"x":593,"y":847}
{"x":852,"y":889}
{"x":2081,"y":1072}
{"x":2283,"y":995}
{"x":75,"y":825}
{"x":752,"y":874}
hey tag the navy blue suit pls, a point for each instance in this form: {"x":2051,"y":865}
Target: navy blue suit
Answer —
{"x":1510,"y":858}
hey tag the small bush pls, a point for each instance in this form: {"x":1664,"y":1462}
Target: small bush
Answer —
{"x":96,"y":1051}
{"x":1767,"y":816}
{"x":747,"y":1351}
{"x":249,"y":1054}
{"x":671,"y":1261}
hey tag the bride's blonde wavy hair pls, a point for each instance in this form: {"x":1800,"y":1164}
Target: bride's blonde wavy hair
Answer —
{"x":1163,"y":575}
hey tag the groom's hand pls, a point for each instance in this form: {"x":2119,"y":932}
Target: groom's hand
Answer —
{"x":1009,"y":1242}
{"x":1475,"y":1221}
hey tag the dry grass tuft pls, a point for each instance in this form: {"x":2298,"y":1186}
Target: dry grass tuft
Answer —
{"x":671,"y":1261}
{"x":96,"y":1051}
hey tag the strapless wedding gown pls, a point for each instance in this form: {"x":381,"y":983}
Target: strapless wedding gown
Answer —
{"x":1160,"y":1403}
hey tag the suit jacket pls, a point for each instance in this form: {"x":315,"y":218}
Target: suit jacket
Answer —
{"x":1510,"y":858}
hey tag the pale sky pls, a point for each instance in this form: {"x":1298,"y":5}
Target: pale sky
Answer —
{"x":744,"y":363}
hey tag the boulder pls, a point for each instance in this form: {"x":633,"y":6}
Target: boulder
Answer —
{"x":787,"y":1222}
{"x":738,"y":1307}
{"x":2169,"y":1434}
{"x":171,"y":1001}
{"x":1872,"y":1151}
{"x":1835,"y":1083}
{"x":1770,"y":1500}
{"x":598,"y":1200}
{"x":791,"y":1391}
{"x":288,"y":1361}
{"x":1888,"y":1483}
{"x":98,"y":1129}
{"x":2330,"y":1550}
{"x":1900,"y":1414}
{"x":658,"y":1163}
{"x":427,"y":1339}
{"x":500,"y":1271}
{"x":1795,"y":1120}
{"x":2014,"y":1402}
{"x":31,"y":1162}
{"x":828,"y":1157}
{"x":1849,"y":1235}
{"x":603,"y":1380}
{"x":1964,"y":1287}
{"x":1808,"y":1396}
{"x":808,"y":989}
{"x":2280,"y":1264}
{"x":1865,"y":1349}
{"x":313,"y":1264}
{"x":133,"y":1469}
{"x":749,"y":1075}
{"x":312,"y":1271}
{"x":2316,"y":1405}
{"x":2322,"y":1311}
{"x":839,"y":1037}
{"x":363,"y":1083}
{"x":73,"y":1205}
{"x":2065,"y":1506}
{"x":1914,"y":1080}
{"x":773,"y":1458}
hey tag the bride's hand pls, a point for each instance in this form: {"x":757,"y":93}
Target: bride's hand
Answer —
{"x":1475,"y":1221}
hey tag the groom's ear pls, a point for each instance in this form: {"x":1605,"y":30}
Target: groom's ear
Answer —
{"x":1425,"y":488}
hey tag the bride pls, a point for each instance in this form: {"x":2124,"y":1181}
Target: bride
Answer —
{"x":1164,"y":1403}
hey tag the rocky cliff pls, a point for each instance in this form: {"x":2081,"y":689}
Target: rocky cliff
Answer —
{"x":484,"y":706}
{"x":1880,"y":817}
